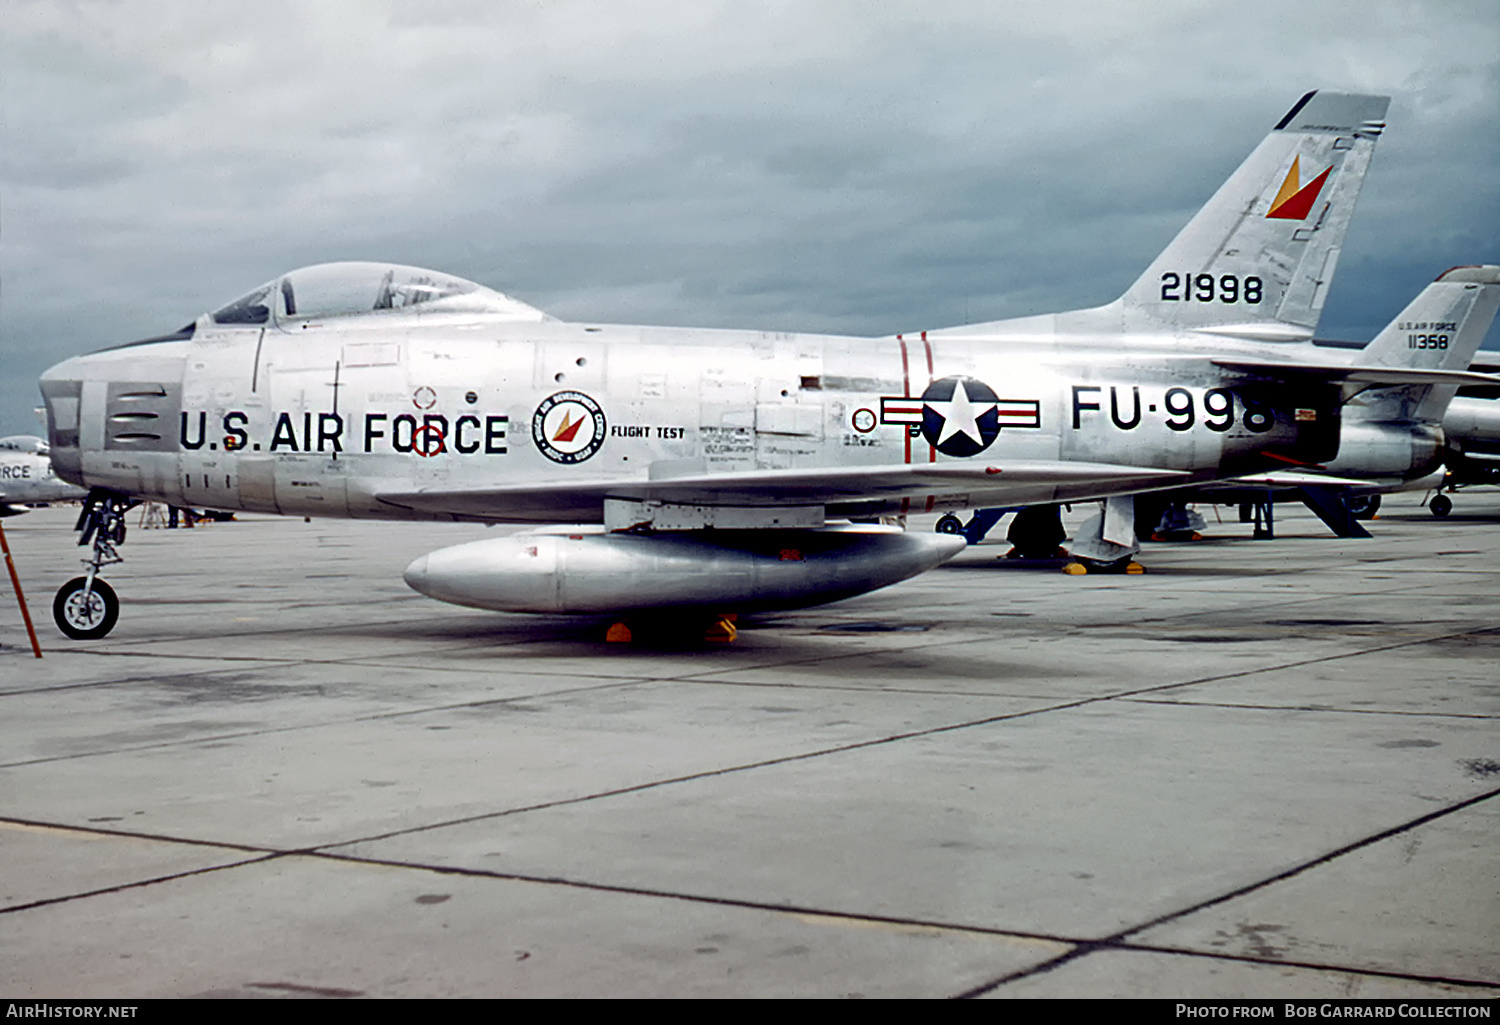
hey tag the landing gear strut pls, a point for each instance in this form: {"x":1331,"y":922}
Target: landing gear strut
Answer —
{"x":86,"y":608}
{"x":1107,"y":543}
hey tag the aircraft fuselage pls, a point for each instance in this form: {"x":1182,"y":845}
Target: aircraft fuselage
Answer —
{"x":323,"y":421}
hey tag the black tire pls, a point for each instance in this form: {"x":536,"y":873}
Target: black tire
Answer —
{"x":85,"y":622}
{"x":949,"y":524}
{"x":1120,"y":565}
{"x":1440,"y":506}
{"x":1149,"y":510}
{"x":1037,"y":531}
{"x":1362,"y":507}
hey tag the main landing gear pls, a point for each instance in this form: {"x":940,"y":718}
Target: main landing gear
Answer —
{"x":1036,"y":532}
{"x":86,"y":608}
{"x":1107,"y":543}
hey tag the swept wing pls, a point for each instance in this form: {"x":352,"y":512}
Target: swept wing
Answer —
{"x":572,"y":501}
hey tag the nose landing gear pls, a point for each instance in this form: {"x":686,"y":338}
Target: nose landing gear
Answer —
{"x":86,"y":608}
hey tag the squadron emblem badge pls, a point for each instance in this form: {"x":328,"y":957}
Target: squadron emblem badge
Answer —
{"x":568,"y":427}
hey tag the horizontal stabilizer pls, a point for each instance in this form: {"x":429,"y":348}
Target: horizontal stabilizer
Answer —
{"x":1286,"y":479}
{"x":1345,"y":373}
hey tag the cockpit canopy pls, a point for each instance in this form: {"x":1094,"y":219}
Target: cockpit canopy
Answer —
{"x":375,"y":290}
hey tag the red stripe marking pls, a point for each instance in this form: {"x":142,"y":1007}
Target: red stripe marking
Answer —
{"x":905,"y":368}
{"x":905,"y":390}
{"x":1294,"y":462}
{"x":931,"y":449}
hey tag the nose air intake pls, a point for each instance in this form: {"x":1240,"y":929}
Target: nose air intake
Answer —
{"x":63,"y":397}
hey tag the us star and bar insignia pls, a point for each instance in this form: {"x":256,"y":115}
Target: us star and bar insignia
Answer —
{"x":959,"y":416}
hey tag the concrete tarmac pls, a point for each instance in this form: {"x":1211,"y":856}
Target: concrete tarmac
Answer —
{"x":1264,"y":769}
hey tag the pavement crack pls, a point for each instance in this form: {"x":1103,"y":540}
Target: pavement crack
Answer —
{"x":1312,"y":708}
{"x":695,"y":898}
{"x":140,"y":883}
{"x":1120,"y":940}
{"x":706,"y":774}
{"x":1085,"y":948}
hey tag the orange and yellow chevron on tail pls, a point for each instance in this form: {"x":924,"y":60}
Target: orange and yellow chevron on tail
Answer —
{"x":1293,"y":203}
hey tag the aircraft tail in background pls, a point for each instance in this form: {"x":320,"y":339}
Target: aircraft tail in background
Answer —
{"x":1441,"y":329}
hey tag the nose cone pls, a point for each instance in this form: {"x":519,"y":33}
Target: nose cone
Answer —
{"x":943,"y":546}
{"x":416,"y":576}
{"x":506,"y":574}
{"x":127,"y":400}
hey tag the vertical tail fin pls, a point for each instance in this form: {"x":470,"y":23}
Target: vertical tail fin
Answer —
{"x":1257,"y":260}
{"x":1441,"y":329}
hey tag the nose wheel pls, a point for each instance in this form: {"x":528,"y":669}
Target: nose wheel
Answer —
{"x":86,"y":608}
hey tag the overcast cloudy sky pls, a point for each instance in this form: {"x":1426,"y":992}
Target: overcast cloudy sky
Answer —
{"x":859,"y":167}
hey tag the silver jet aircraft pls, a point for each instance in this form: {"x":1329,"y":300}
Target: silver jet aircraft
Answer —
{"x":718,"y":470}
{"x":27,"y":478}
{"x":1472,"y":429}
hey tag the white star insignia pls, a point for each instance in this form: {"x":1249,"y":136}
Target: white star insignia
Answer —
{"x":960,"y":416}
